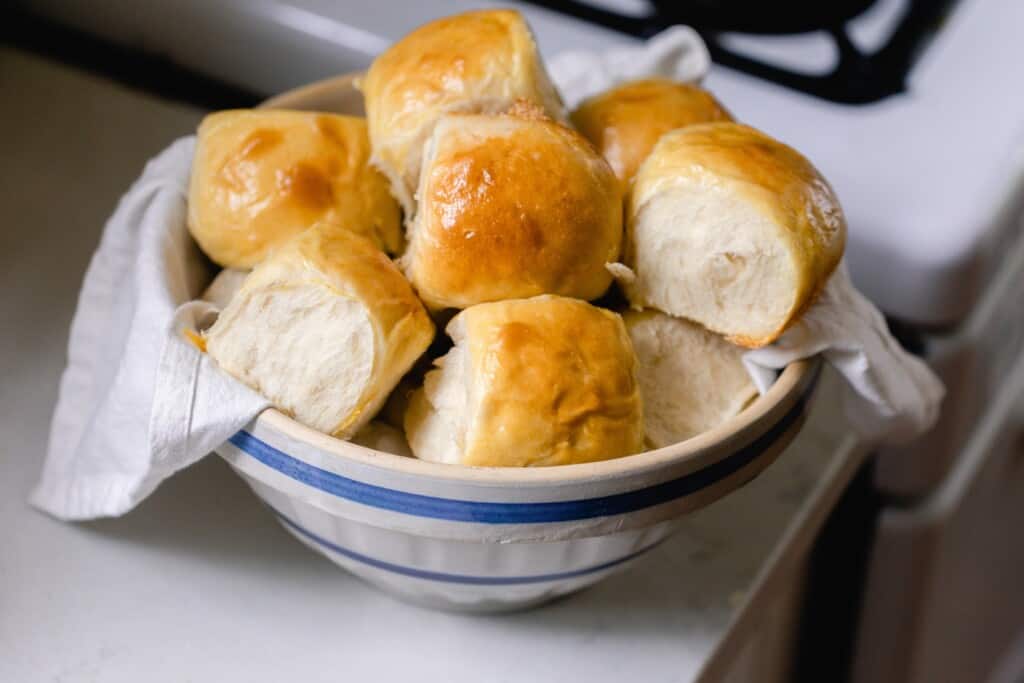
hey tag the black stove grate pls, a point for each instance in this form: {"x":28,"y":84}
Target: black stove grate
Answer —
{"x":857,"y":78}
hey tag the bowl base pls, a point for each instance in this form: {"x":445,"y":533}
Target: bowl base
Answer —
{"x":482,"y":607}
{"x":460,"y":599}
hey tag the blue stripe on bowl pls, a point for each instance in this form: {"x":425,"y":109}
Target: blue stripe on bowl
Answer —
{"x":483,"y":512}
{"x":459,"y":578}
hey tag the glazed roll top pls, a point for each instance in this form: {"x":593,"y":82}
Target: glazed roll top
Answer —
{"x":541,"y":381}
{"x":691,"y":380}
{"x":732,"y":229}
{"x":625,"y":122}
{"x":262,"y":177}
{"x":324,"y":329}
{"x":479,"y":61}
{"x":511,"y":207}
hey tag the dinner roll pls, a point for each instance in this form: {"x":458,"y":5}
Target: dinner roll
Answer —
{"x":624,"y":123}
{"x":541,"y":381}
{"x":480,"y":61}
{"x":511,"y":207}
{"x":224,"y":287}
{"x":731,"y":229}
{"x":691,"y":380}
{"x":324,"y":328}
{"x":260,"y":177}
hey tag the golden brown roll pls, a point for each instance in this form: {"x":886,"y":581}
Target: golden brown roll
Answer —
{"x":511,"y":207}
{"x":541,"y":381}
{"x":731,"y":229}
{"x":260,"y":177}
{"x":625,"y":122}
{"x":691,"y":380}
{"x":480,"y":61}
{"x":324,"y":328}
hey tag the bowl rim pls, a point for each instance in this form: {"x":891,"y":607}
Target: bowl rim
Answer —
{"x":791,"y":384}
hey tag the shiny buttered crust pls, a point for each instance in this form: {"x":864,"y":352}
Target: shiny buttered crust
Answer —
{"x":324,"y":328}
{"x":625,"y":123}
{"x":512,"y":206}
{"x":480,"y":61}
{"x":532,"y":382}
{"x":262,"y":177}
{"x":691,"y":380}
{"x":732,"y":229}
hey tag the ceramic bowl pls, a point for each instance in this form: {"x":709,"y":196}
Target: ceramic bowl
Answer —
{"x":492,"y":539}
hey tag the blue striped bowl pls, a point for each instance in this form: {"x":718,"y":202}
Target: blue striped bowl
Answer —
{"x":491,"y":539}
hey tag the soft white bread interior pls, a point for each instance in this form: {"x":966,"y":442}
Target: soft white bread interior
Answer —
{"x":381,"y":436}
{"x":732,"y":229}
{"x":530,"y":382}
{"x":324,"y":328}
{"x":691,"y":380}
{"x":479,"y":61}
{"x":260,"y":177}
{"x":512,"y":206}
{"x":224,"y":287}
{"x":625,"y":122}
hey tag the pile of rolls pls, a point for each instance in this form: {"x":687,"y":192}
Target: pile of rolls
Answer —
{"x":598,"y":273}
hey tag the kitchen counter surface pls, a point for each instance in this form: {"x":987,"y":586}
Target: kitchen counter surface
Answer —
{"x":199,"y":583}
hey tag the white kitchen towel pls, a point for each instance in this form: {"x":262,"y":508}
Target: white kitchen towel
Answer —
{"x":138,"y":401}
{"x":677,"y":53}
{"x":894,"y":396}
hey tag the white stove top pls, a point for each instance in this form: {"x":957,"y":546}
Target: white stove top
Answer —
{"x":927,"y":177}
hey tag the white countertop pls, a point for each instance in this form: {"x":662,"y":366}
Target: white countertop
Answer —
{"x":200,"y":584}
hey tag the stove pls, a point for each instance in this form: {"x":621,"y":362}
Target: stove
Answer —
{"x":869,"y":45}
